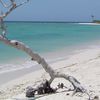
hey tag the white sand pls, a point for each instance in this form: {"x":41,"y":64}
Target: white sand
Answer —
{"x":84,"y":65}
{"x":90,"y":23}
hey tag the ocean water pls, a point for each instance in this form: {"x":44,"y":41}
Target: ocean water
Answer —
{"x":46,"y":37}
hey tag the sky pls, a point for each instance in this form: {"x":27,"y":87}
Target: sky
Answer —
{"x":56,"y":10}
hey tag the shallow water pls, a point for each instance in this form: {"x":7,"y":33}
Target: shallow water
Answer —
{"x":45,"y":38}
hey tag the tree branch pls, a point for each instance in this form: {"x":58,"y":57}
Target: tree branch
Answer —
{"x":53,"y":74}
{"x":13,"y":7}
{"x":23,"y":47}
{"x":36,"y":57}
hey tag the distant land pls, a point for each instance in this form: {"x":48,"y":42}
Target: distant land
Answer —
{"x":96,"y":21}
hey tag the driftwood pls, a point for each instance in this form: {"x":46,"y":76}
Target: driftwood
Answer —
{"x":43,"y":88}
{"x":53,"y":74}
{"x":36,"y":57}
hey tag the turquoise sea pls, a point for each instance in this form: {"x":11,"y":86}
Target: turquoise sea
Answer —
{"x":47,"y":37}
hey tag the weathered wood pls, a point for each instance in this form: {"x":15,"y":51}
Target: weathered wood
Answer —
{"x":11,"y":7}
{"x":36,"y":57}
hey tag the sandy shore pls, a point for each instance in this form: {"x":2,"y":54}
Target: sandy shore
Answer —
{"x":84,"y":65}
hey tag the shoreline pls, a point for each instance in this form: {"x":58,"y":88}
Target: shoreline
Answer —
{"x":91,"y":23}
{"x":77,"y":64}
{"x":29,"y":66}
{"x":50,"y":57}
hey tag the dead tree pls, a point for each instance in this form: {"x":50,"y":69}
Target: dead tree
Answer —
{"x":35,"y":57}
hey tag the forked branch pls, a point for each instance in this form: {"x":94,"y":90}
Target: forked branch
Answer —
{"x":36,"y":57}
{"x":11,"y":7}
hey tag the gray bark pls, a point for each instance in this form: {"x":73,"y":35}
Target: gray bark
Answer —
{"x":36,"y":57}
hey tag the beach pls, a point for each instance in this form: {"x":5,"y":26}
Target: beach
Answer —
{"x":70,"y":48}
{"x":84,"y":65}
{"x":49,"y":50}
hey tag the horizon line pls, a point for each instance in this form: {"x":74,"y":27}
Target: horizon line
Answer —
{"x":51,"y":21}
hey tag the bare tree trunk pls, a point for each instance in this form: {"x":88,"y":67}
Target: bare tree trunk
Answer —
{"x":36,"y":57}
{"x":53,"y":74}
